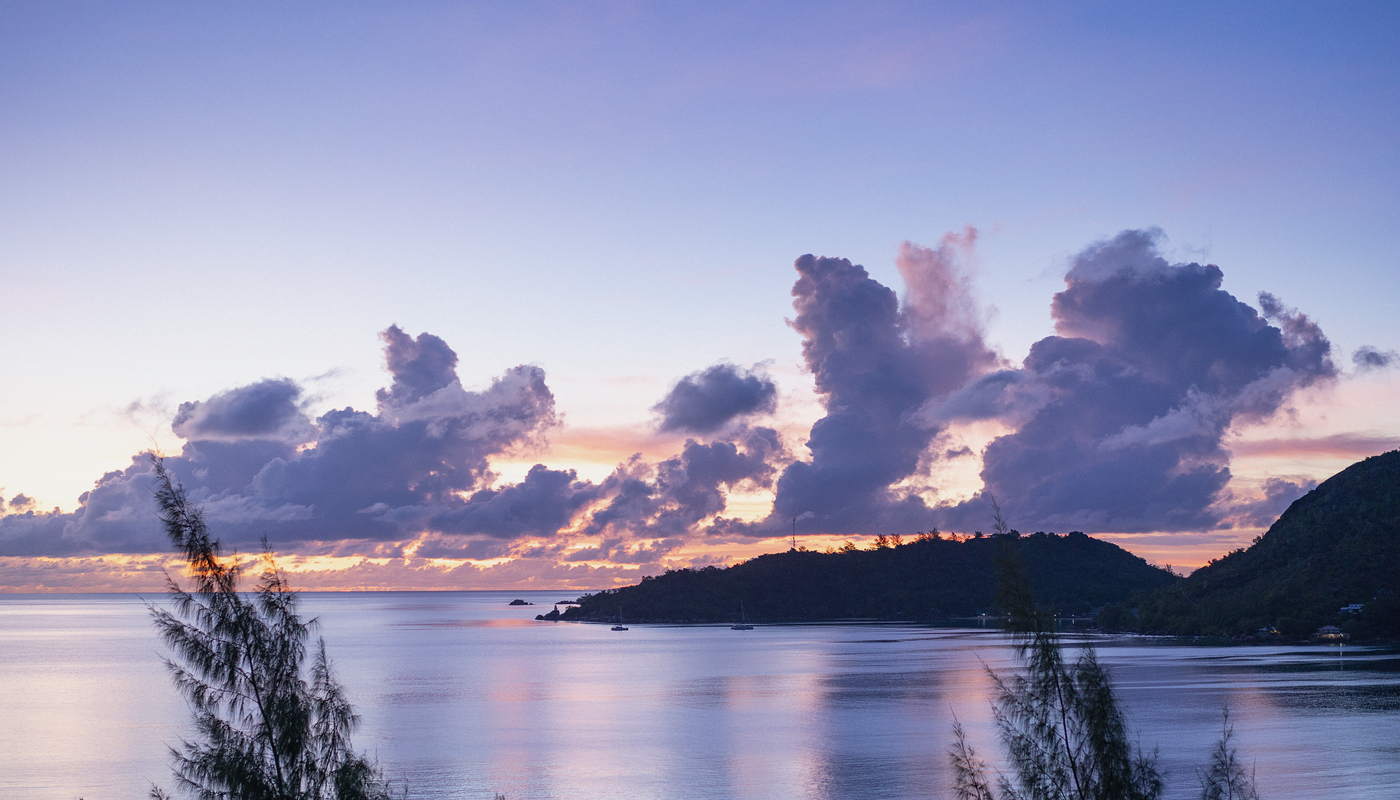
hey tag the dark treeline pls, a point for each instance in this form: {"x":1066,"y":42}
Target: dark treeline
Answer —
{"x":1337,"y":546}
{"x":928,"y":578}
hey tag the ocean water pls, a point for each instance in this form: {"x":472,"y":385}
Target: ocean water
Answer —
{"x":464,"y":696}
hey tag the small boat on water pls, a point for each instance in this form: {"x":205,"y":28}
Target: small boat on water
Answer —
{"x":743,"y":624}
{"x":618,"y":626}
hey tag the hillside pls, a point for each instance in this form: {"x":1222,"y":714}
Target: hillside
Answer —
{"x":929,"y":578}
{"x":1335,"y":546}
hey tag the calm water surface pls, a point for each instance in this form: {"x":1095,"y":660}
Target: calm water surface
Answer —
{"x":464,"y":696}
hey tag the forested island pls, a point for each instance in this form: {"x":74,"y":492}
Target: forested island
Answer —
{"x":1335,"y":548}
{"x":1331,"y":559}
{"x":931,"y":577}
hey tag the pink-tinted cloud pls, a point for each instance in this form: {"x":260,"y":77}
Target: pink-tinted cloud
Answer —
{"x":1115,"y":425}
{"x":416,"y":474}
{"x":876,"y":364}
{"x":1342,"y":445}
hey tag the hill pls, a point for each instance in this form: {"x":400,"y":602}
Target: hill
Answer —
{"x":925,"y":579}
{"x":1337,"y":545}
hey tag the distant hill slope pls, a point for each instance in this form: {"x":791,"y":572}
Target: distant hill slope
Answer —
{"x":1337,"y":545}
{"x":928,"y":578}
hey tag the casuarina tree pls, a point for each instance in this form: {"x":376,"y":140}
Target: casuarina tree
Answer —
{"x":272,"y":722}
{"x":1226,"y":778}
{"x":1061,"y":725}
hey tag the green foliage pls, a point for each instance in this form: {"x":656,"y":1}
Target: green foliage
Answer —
{"x":926,"y":578}
{"x":266,"y":731}
{"x":1337,"y":545}
{"x":1226,"y":778}
{"x":1060,"y":724}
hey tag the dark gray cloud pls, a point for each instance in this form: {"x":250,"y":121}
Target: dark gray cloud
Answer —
{"x":670,"y":498}
{"x":420,"y":366}
{"x":419,"y":467}
{"x":384,"y":476}
{"x":1368,"y":358}
{"x":1121,"y":415}
{"x":1262,"y":512}
{"x":541,"y":505}
{"x":704,"y":402}
{"x":877,"y":364}
{"x":264,"y":410}
{"x":115,"y":516}
{"x":641,"y":512}
{"x":377,"y":477}
{"x":1116,"y":425}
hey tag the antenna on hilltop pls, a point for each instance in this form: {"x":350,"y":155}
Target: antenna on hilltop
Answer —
{"x":794,"y":533}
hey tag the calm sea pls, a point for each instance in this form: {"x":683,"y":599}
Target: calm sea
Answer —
{"x":465,"y":696}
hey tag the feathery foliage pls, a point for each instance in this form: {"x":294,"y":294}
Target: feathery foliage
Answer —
{"x":1226,"y":778}
{"x":1064,"y":733}
{"x":266,"y":731}
{"x":1060,"y":723}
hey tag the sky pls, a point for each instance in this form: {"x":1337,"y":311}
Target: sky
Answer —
{"x":551,"y":295}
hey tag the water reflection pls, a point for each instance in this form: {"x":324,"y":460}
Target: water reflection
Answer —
{"x":464,"y":696}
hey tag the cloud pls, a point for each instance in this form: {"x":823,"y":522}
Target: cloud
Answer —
{"x":541,"y":505}
{"x":1115,"y":424}
{"x":263,"y":410}
{"x":1261,"y":512}
{"x":1120,"y":416}
{"x":116,"y":516}
{"x":704,"y":402}
{"x":876,"y":364}
{"x":670,"y":498}
{"x":420,"y":366}
{"x":147,"y":574}
{"x":259,"y":467}
{"x":416,"y":470}
{"x":1368,"y":358}
{"x":1342,"y":445}
{"x":639,"y":514}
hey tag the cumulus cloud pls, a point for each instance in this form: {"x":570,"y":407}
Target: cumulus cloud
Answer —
{"x":418,"y":470}
{"x":258,"y":466}
{"x":1115,"y":424}
{"x":706,"y":401}
{"x":420,"y":366}
{"x":264,"y":410}
{"x":1120,"y":416}
{"x":541,"y":505}
{"x":115,"y":516}
{"x":670,"y":498}
{"x":876,"y":364}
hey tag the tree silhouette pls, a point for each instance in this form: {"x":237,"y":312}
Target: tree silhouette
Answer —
{"x":266,"y":730}
{"x":1060,"y":724}
{"x":1226,"y":779}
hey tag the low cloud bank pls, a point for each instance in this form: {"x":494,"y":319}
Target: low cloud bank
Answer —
{"x":416,"y":473}
{"x":1115,"y":424}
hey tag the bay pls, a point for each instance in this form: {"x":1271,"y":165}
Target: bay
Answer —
{"x":464,"y":696}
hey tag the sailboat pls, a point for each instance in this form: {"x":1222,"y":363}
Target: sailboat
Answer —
{"x":743,"y":624}
{"x":618,"y":626}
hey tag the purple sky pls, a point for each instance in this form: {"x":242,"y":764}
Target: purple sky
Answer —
{"x":517,"y":295}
